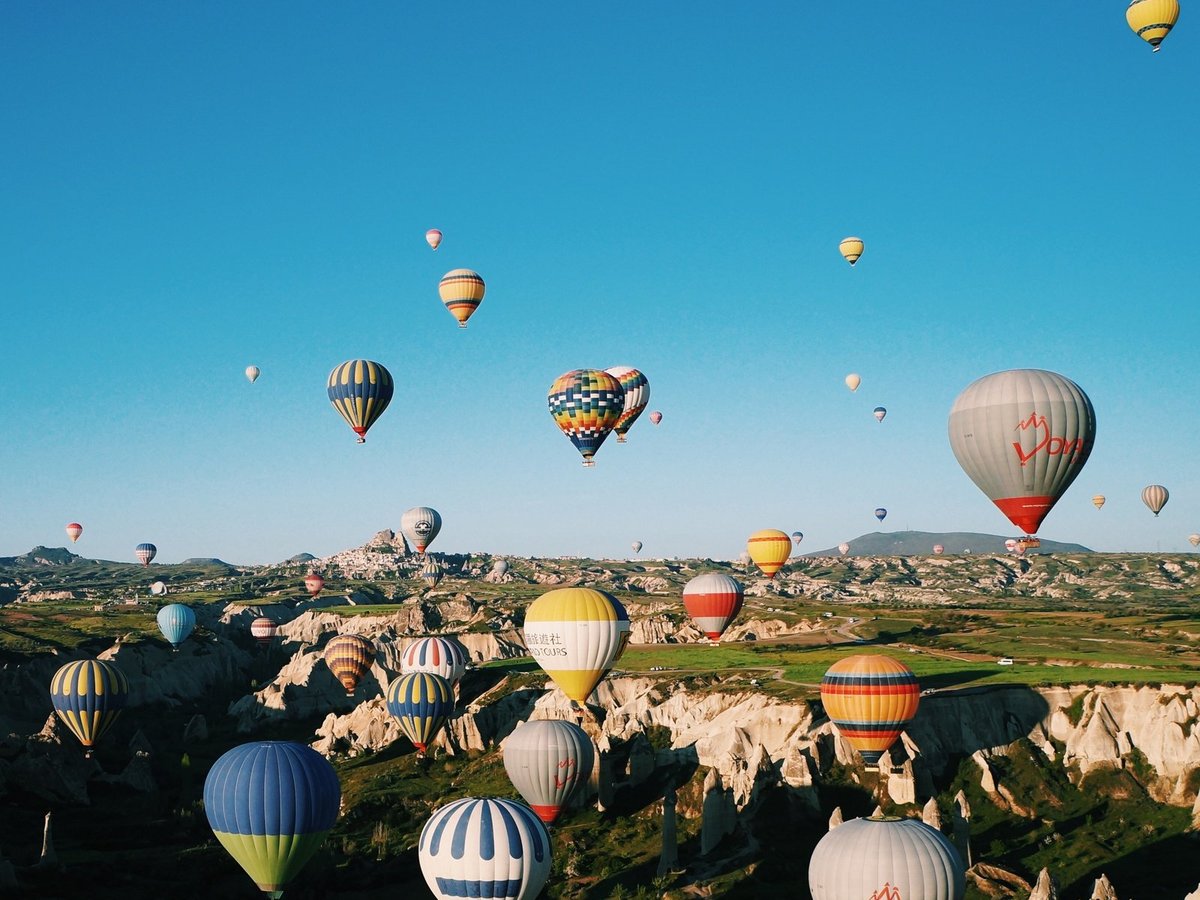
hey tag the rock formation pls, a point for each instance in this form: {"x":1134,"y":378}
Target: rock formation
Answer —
{"x":1045,"y":889}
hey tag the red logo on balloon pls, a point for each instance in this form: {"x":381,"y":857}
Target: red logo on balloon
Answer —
{"x":1052,"y":444}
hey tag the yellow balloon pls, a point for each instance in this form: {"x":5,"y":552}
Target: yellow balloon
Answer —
{"x":770,"y":549}
{"x":1098,"y":501}
{"x":575,"y":635}
{"x":853,"y":381}
{"x":852,"y":248}
{"x":1152,"y":20}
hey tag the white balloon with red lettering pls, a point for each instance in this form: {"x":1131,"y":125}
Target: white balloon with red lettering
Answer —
{"x":547,"y":761}
{"x":886,"y":858}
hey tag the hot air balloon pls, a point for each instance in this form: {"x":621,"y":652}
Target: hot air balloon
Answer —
{"x":252,"y":373}
{"x":637,"y":395}
{"x":655,"y":417}
{"x":797,"y":537}
{"x":575,"y":635}
{"x":586,"y":404}
{"x":431,"y":573}
{"x":1194,"y":540}
{"x":1010,"y":545}
{"x":852,"y":248}
{"x":145,"y":553}
{"x":547,"y":760}
{"x":637,"y":546}
{"x":1023,"y":436}
{"x":713,"y":601}
{"x":158,"y":588}
{"x":176,"y":622}
{"x":843,"y":548}
{"x":349,"y":657}
{"x":1152,"y":20}
{"x":744,"y":558}
{"x":886,"y":858}
{"x":938,"y":549}
{"x":420,"y":702}
{"x":1021,"y":548}
{"x":433,"y":238}
{"x":1155,"y":496}
{"x":88,"y":695}
{"x":313,"y":583}
{"x":435,"y":655}
{"x":1098,"y":501}
{"x":462,"y":291}
{"x":870,"y":699}
{"x":770,"y":549}
{"x":74,"y":530}
{"x":263,"y":630}
{"x":880,"y":513}
{"x":853,"y":381}
{"x":500,"y":566}
{"x":420,"y":525}
{"x":484,"y":848}
{"x":360,"y":390}
{"x":270,"y":804}
{"x":879,"y":413}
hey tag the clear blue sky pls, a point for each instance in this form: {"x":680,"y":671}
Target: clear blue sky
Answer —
{"x":190,"y":188}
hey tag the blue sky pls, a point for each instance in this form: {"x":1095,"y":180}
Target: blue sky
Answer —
{"x":192,"y":188}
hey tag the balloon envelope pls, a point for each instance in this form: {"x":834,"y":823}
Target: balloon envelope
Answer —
{"x":313,"y":583}
{"x":575,"y":635}
{"x":176,"y":622}
{"x":420,"y":702}
{"x":879,"y":413}
{"x":145,"y":553}
{"x":1155,"y":496}
{"x":270,"y":804}
{"x":158,"y":588}
{"x":263,"y":630}
{"x":74,"y":530}
{"x":655,"y":417}
{"x":1023,"y":436}
{"x":852,"y":248}
{"x":797,"y":537}
{"x":349,"y":657}
{"x":843,"y":548}
{"x":420,"y":525}
{"x":880,"y":513}
{"x":853,"y":381}
{"x":436,"y":655}
{"x":500,"y":566}
{"x":431,"y":572}
{"x":770,"y":549}
{"x":252,"y":373}
{"x":870,"y":698}
{"x":461,"y":291}
{"x":433,"y":238}
{"x":637,"y":546}
{"x":1194,"y":540}
{"x":484,"y":848}
{"x":1098,"y":501}
{"x":938,"y":549}
{"x":713,"y":600}
{"x":1152,"y":20}
{"x":88,"y":696}
{"x":637,"y":395}
{"x":547,"y":761}
{"x":586,"y":405}
{"x":886,"y":858}
{"x":360,"y":390}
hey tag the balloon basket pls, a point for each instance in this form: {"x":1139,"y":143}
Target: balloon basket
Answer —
{"x":620,"y":439}
{"x":361,"y":440}
{"x":589,"y":463}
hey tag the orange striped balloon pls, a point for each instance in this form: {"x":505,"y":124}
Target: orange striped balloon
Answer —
{"x":870,"y":698}
{"x":770,"y":549}
{"x":349,"y":657}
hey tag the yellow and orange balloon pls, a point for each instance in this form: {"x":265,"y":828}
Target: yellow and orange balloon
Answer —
{"x":770,"y":549}
{"x":871,"y":699}
{"x":462,"y":291}
{"x":1152,"y":20}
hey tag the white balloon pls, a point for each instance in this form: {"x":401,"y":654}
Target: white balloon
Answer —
{"x":886,"y":857}
{"x":547,"y":761}
{"x":435,"y":655}
{"x":420,"y":525}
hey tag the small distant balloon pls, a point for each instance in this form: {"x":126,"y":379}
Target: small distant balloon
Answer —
{"x":938,"y":549}
{"x":852,"y":248}
{"x":313,"y":583}
{"x":252,"y":373}
{"x":797,"y":537}
{"x":158,"y":588}
{"x":637,"y":546}
{"x":1152,"y":20}
{"x":431,"y":573}
{"x":461,"y":291}
{"x":1155,"y":496}
{"x":1194,"y":540}
{"x":637,"y":395}
{"x":263,"y":630}
{"x":879,"y":413}
{"x":1098,"y":501}
{"x":145,"y":553}
{"x":880,"y":513}
{"x":655,"y":417}
{"x":1010,"y":545}
{"x":433,"y":238}
{"x":74,"y":530}
{"x":853,"y":381}
{"x":500,"y":566}
{"x":843,"y":548}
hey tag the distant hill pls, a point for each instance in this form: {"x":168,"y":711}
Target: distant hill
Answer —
{"x":206,"y":561}
{"x":920,"y":543}
{"x":41,"y":556}
{"x":301,"y":558}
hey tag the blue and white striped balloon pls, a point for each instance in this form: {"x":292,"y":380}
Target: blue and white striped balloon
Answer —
{"x":485,"y":848}
{"x":435,"y":655}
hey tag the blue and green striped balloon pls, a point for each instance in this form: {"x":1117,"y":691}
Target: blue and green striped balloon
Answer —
{"x":270,"y":804}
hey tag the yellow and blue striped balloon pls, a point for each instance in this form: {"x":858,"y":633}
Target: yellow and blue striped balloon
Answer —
{"x":871,"y":699}
{"x":586,"y":404}
{"x":270,"y":804}
{"x":360,"y":390}
{"x":349,"y":657}
{"x":88,"y":695}
{"x":421,"y":702}
{"x":462,"y":291}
